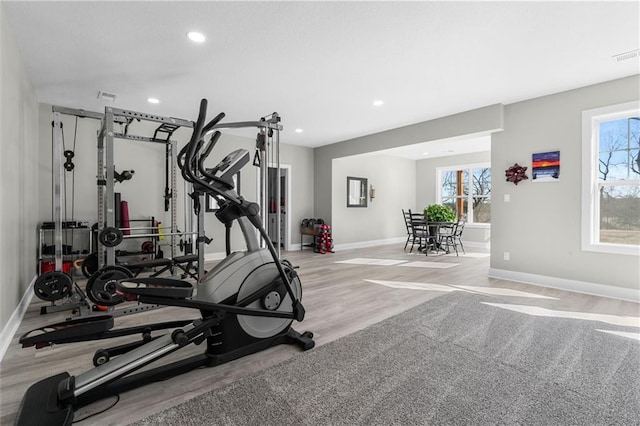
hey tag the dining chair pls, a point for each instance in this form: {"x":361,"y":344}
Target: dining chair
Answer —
{"x":407,"y":224}
{"x":453,"y":237}
{"x":419,"y":231}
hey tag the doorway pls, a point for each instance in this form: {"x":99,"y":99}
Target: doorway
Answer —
{"x":284,"y":222}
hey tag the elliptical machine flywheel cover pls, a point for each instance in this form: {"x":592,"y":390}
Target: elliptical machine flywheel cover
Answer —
{"x":262,"y":327}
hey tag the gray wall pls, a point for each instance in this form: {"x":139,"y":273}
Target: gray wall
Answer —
{"x":19,"y":169}
{"x":540,"y":227}
{"x":474,"y":235}
{"x":394,"y":181}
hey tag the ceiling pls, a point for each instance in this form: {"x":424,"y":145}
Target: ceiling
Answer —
{"x":320,"y":64}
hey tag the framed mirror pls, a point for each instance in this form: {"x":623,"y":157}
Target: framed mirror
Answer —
{"x":356,"y":192}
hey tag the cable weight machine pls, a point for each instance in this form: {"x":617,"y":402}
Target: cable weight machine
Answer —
{"x":57,"y":284}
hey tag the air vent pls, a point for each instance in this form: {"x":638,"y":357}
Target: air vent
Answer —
{"x":627,"y":55}
{"x":107,"y":96}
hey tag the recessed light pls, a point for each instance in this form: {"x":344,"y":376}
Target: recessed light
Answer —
{"x":425,"y":153}
{"x":378,"y":102}
{"x":153,"y":101}
{"x":299,"y":130}
{"x":196,"y":36}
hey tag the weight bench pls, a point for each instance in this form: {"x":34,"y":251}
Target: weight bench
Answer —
{"x":137,"y":267}
{"x":188,"y":264}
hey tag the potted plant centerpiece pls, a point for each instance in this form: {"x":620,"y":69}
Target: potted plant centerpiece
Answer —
{"x":439,"y":213}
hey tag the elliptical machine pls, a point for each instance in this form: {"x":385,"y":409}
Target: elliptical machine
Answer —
{"x":247,"y":303}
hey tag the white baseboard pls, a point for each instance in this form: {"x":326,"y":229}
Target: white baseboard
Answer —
{"x":15,"y":320}
{"x":372,"y":243}
{"x":477,"y":244}
{"x":594,"y":289}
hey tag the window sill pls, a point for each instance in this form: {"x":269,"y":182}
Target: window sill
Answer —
{"x":612,"y":249}
{"x":478,"y":225}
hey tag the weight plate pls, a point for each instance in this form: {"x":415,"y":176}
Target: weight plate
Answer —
{"x":101,"y":287}
{"x":147,"y":247}
{"x":69,"y":154}
{"x":110,"y":236}
{"x":68,"y":166}
{"x":90,"y":265}
{"x":53,"y":285}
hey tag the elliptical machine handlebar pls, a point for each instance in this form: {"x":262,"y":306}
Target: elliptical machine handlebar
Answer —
{"x":190,"y":168}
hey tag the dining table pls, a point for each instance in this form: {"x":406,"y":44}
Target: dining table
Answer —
{"x":433,"y":231}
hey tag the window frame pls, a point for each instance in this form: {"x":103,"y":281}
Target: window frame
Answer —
{"x":590,"y":215}
{"x":469,"y":168}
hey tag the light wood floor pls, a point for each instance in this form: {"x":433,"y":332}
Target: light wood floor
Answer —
{"x":338,"y":299}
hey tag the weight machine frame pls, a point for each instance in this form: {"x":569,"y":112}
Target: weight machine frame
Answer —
{"x":267,"y":146}
{"x":106,"y":170}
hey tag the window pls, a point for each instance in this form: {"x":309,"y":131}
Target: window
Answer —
{"x":467,"y":190}
{"x":611,"y":179}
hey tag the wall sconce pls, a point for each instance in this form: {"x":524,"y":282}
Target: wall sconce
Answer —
{"x":372,"y":193}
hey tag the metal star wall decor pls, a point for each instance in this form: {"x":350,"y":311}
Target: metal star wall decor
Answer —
{"x":516,"y":173}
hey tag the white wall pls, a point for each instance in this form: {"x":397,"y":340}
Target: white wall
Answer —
{"x":19,"y":171}
{"x":540,"y":227}
{"x":394,"y":181}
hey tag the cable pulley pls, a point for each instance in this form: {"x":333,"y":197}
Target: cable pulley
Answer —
{"x":68,"y":165}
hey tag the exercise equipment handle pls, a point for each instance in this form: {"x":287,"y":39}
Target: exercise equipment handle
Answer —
{"x":213,"y":122}
{"x":212,"y":143}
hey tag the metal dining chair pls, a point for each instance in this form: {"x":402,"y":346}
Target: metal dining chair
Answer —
{"x":416,"y":230}
{"x":453,"y":237}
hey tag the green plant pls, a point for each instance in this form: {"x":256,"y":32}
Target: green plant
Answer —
{"x":439,"y":213}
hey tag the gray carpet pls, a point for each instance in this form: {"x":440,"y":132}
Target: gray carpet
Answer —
{"x":452,"y":360}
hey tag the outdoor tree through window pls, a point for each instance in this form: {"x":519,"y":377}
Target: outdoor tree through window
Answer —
{"x":618,"y":175}
{"x":467,"y":190}
{"x":611,"y":179}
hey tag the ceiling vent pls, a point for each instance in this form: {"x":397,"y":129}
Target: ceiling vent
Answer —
{"x":627,"y":55}
{"x":107,"y":96}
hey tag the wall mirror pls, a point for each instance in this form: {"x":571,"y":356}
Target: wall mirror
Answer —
{"x":356,"y":192}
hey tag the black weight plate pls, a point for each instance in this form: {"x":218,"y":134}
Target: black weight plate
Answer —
{"x":69,"y":154}
{"x":110,"y":237}
{"x":90,"y":265}
{"x":53,"y":285}
{"x":101,"y":287}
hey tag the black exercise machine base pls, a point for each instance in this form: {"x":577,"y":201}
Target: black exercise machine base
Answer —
{"x":41,"y":405}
